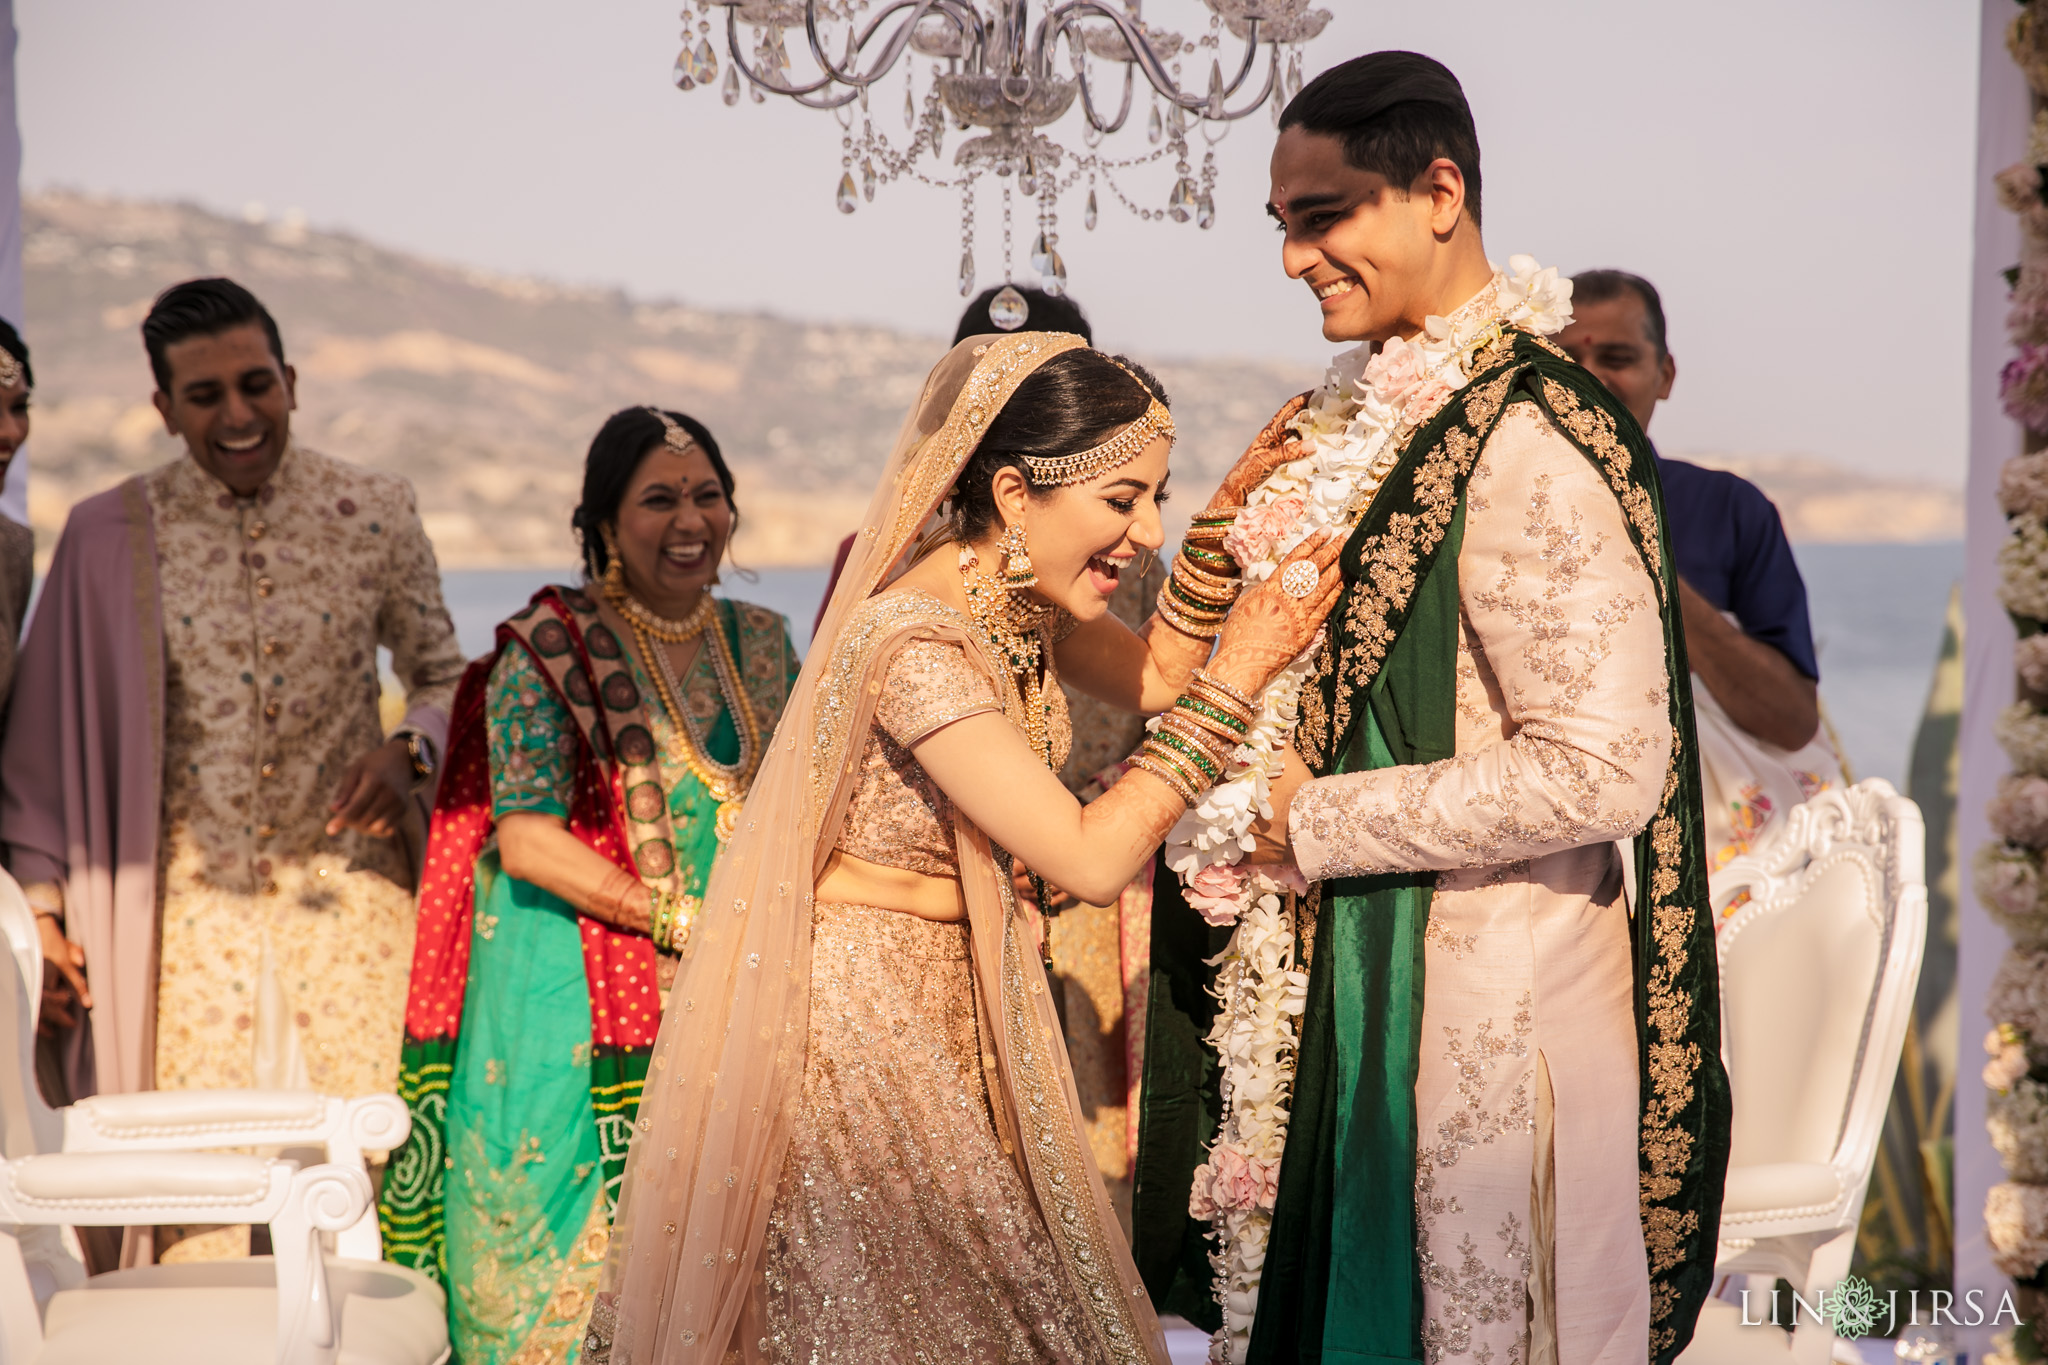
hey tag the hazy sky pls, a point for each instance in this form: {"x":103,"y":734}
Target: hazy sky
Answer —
{"x":1793,"y":174}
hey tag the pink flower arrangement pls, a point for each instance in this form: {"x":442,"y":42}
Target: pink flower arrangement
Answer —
{"x":1394,"y":371}
{"x":1219,"y":891}
{"x":2023,"y":388}
{"x":2008,"y":1053}
{"x":1427,"y":398}
{"x":1259,"y":530}
{"x":2023,"y":487}
{"x":1230,"y":1181}
{"x":2031,"y":657}
{"x":2020,"y":810}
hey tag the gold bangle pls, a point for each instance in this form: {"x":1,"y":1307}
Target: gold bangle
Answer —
{"x":1184,"y":622}
{"x":1202,"y":677}
{"x":1219,"y":742}
{"x":1175,"y":782}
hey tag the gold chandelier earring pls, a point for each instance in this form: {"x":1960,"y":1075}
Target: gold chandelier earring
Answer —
{"x":614,"y":581}
{"x":1017,"y":571}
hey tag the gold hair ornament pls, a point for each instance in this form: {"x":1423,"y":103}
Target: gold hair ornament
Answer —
{"x":672,"y":434}
{"x":11,"y":369}
{"x":1119,"y":449}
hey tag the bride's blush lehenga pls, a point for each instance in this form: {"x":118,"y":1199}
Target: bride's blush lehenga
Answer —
{"x":861,"y":1140}
{"x":902,"y":1230}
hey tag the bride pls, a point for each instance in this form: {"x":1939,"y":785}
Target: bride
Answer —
{"x":859,"y":1139}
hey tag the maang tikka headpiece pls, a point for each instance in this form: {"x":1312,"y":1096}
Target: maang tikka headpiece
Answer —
{"x":1118,"y":449}
{"x":672,"y":434}
{"x":11,"y":369}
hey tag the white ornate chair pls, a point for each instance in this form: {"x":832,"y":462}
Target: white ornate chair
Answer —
{"x":116,"y":1161}
{"x":1818,"y":964}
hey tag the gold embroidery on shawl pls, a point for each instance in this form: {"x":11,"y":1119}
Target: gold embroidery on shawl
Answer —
{"x":1388,"y":564}
{"x":1594,"y":429}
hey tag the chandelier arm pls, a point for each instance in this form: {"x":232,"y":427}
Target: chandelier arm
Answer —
{"x":1088,"y":100}
{"x":895,"y":46}
{"x":1259,"y":102}
{"x":732,"y":38}
{"x":1141,"y":50}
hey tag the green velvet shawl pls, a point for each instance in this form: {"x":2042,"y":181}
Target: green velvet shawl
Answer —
{"x":1340,"y":1281}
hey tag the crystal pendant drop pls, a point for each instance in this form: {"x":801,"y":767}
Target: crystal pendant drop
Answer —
{"x":1215,"y":89}
{"x":1155,"y":130}
{"x":707,"y":62}
{"x":938,"y":132}
{"x":967,"y":274}
{"x":1008,"y":310}
{"x":1055,"y":274}
{"x":732,"y":85}
{"x":1027,"y":178}
{"x":909,"y":109}
{"x":754,"y":93}
{"x":1205,"y":212}
{"x":867,"y":181}
{"x":848,"y":195}
{"x":1088,"y":218}
{"x":1181,"y":205}
{"x":685,"y":72}
{"x":1294,"y":76}
{"x":1041,"y":254}
{"x":1091,"y":135}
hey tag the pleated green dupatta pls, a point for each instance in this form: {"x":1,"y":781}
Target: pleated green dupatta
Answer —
{"x":1340,"y":1279}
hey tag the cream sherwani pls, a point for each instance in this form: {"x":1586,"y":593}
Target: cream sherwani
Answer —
{"x":1527,"y":1210}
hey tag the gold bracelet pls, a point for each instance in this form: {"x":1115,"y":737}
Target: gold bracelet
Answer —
{"x":1213,"y":738}
{"x":1181,"y":621}
{"x":1238,"y":700}
{"x":1176,"y":783}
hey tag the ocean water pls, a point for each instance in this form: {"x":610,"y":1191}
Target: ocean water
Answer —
{"x":1877,"y":622}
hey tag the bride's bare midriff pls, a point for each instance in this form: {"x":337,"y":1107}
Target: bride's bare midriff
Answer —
{"x":856,"y":881}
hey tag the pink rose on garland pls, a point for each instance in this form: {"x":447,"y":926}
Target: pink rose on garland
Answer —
{"x":1394,"y":371}
{"x":2031,"y":658}
{"x":1258,"y":530}
{"x":1427,"y":398}
{"x":1219,"y":892}
{"x":1231,"y":1182}
{"x":2023,"y":388}
{"x":2023,"y":487}
{"x":2020,"y":810}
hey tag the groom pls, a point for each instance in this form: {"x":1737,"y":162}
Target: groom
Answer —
{"x":1509,"y":1121}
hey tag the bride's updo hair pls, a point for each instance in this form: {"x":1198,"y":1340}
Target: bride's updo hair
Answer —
{"x":1075,"y":401}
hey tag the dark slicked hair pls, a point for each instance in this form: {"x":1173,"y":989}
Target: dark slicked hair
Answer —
{"x":1047,"y":314}
{"x":1603,"y":286}
{"x":11,"y":342}
{"x":201,"y":308}
{"x":1395,"y":112}
{"x":618,"y":450}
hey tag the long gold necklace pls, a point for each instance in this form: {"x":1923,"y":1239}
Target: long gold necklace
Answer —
{"x":727,"y":783}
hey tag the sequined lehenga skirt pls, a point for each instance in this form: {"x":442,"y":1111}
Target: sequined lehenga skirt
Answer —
{"x":901,"y":1232}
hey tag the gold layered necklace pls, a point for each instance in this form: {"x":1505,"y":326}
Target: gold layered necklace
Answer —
{"x":1010,"y":626}
{"x":726,"y":782}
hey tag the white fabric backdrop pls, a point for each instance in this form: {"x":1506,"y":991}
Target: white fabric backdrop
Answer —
{"x":2002,"y":116}
{"x":14,"y":500}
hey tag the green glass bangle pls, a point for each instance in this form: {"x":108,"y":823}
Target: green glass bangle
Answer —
{"x":1191,"y":750}
{"x":1215,"y":713}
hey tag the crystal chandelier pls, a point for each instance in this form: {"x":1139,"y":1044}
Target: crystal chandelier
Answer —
{"x":994,"y":72}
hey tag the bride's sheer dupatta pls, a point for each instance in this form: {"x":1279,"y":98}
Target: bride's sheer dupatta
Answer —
{"x":685,"y":1273}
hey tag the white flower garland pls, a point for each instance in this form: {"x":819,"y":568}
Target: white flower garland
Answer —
{"x":1352,"y":432}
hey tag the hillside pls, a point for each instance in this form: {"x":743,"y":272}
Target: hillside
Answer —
{"x":484,"y":390}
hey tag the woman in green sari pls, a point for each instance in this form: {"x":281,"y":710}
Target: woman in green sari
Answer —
{"x":597,"y":762}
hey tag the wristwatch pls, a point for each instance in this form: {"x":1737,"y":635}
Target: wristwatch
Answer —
{"x":420,"y":750}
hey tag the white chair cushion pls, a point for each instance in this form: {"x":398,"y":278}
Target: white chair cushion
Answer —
{"x":1721,"y":1339}
{"x":225,"y":1313}
{"x":150,"y":1113}
{"x":1779,"y":1189}
{"x":154,"y":1177}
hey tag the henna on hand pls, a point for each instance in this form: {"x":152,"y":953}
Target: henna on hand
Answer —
{"x":1268,"y":629}
{"x":1271,"y":448}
